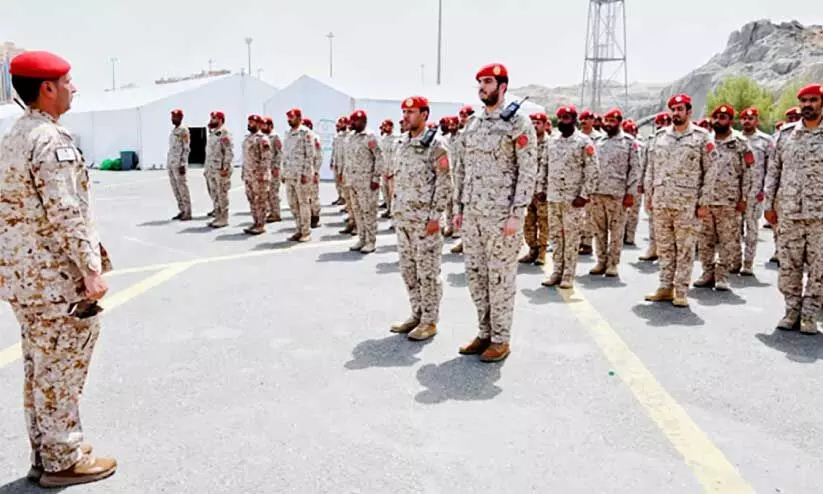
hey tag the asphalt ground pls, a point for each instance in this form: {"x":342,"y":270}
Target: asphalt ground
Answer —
{"x":231,"y":363}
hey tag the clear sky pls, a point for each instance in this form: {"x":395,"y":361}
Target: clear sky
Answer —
{"x":541,"y":42}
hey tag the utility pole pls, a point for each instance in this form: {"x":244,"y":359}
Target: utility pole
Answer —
{"x":439,"y":36}
{"x":422,"y":74}
{"x":248,"y":49}
{"x":331,"y":54}
{"x":605,"y":71}
{"x":211,"y":62}
{"x":113,"y":61}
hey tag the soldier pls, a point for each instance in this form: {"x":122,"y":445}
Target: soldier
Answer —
{"x":793,"y":114}
{"x":615,"y":191}
{"x":256,"y":174}
{"x":598,"y":123}
{"x":675,"y":178}
{"x":704,"y":123}
{"x":314,"y":196}
{"x":364,"y":165}
{"x":177,"y":162}
{"x":587,"y":127}
{"x":52,"y":270}
{"x":569,"y":179}
{"x":219,"y":155}
{"x":727,"y":182}
{"x":761,"y":145}
{"x":423,"y":186}
{"x":298,"y":170}
{"x":536,"y":225}
{"x":633,"y":213}
{"x":338,"y":152}
{"x":464,"y":115}
{"x":273,"y":214}
{"x":794,"y":178}
{"x":497,"y":188}
{"x":387,"y":146}
{"x":661,"y":121}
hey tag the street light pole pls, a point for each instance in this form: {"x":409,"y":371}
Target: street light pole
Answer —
{"x":248,"y":49}
{"x":439,"y":36}
{"x":331,"y":54}
{"x":113,"y":61}
{"x":422,"y":74}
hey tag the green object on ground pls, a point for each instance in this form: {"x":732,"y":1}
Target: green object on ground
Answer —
{"x":115,"y":164}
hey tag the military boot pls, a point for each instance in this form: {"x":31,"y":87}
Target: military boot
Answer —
{"x":295,"y":237}
{"x":448,"y":231}
{"x":808,"y":325}
{"x":567,"y":283}
{"x":177,"y":217}
{"x":746,"y":270}
{"x":552,"y":280}
{"x":405,"y":326}
{"x":423,"y":332}
{"x":478,"y":345}
{"x":36,"y":471}
{"x":706,"y":280}
{"x":496,"y":352}
{"x":680,"y":299}
{"x":88,"y":469}
{"x":315,"y":221}
{"x":661,"y":295}
{"x":541,"y":256}
{"x":789,"y":321}
{"x":649,"y":256}
{"x":722,"y":286}
{"x":735,"y":268}
{"x":348,"y":229}
{"x":304,"y":238}
{"x":254,"y":230}
{"x":612,"y":272}
{"x":368,"y":248}
{"x":358,"y":246}
{"x":585,"y":250}
{"x":457,"y":248}
{"x":598,"y":269}
{"x":530,"y":257}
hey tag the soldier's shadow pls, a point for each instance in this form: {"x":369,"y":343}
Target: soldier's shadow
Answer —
{"x":543,"y":295}
{"x":645,"y":267}
{"x":388,"y":267}
{"x":457,"y":279}
{"x":660,"y":314}
{"x":462,"y":379}
{"x":710,"y":297}
{"x":392,"y":351}
{"x":798,"y":347}
{"x":595,"y":281}
{"x":25,"y":486}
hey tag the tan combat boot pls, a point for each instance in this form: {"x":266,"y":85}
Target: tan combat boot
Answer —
{"x":457,"y":248}
{"x":496,"y":352}
{"x":478,"y":345}
{"x":349,"y":228}
{"x":747,"y":269}
{"x":680,"y":299}
{"x":219,"y":224}
{"x":405,"y":326}
{"x":36,"y":470}
{"x":423,"y":332}
{"x":661,"y":295}
{"x":722,"y":286}
{"x":706,"y":280}
{"x":88,"y":469}
{"x":789,"y":321}
{"x":808,"y":325}
{"x":273,"y":218}
{"x":448,"y":231}
{"x":368,"y":248}
{"x":552,"y":280}
{"x":598,"y":269}
{"x":585,"y":250}
{"x":356,"y":247}
{"x":295,"y":237}
{"x":541,"y":256}
{"x":612,"y":272}
{"x":530,"y":257}
{"x":304,"y":238}
{"x":254,"y":230}
{"x":567,"y":283}
{"x":649,"y":256}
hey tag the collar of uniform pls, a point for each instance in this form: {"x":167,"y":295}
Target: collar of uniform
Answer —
{"x":40,"y":115}
{"x":670,"y":130}
{"x":728,"y":138}
{"x":492,"y":115}
{"x":577,"y":134}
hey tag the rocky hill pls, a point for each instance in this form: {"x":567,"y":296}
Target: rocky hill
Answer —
{"x":774,"y":55}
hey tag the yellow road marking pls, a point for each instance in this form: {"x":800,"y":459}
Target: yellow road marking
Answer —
{"x":12,"y":353}
{"x":714,"y":472}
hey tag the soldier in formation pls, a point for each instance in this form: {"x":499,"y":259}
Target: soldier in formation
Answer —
{"x":569,"y":180}
{"x":761,"y":145}
{"x":536,"y":224}
{"x":218,"y":168}
{"x":388,"y":143}
{"x":52,"y":270}
{"x":363,"y":168}
{"x":338,"y":152}
{"x":457,"y":150}
{"x":491,"y":201}
{"x":256,"y":174}
{"x":314,"y":187}
{"x":298,"y":170}
{"x":590,"y":128}
{"x":661,"y":121}
{"x":423,"y":186}
{"x":794,"y":178}
{"x":273,"y":212}
{"x":177,"y":162}
{"x":633,"y":213}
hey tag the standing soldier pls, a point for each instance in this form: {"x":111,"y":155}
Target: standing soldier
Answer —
{"x":587,"y":127}
{"x":219,"y":156}
{"x":633,"y":213}
{"x":675,"y":181}
{"x":466,"y":113}
{"x":570,"y":177}
{"x":338,"y":153}
{"x":276,"y":145}
{"x":793,"y":114}
{"x":298,"y":170}
{"x":536,"y":225}
{"x":257,"y":158}
{"x":423,"y":187}
{"x":761,"y":145}
{"x":364,"y":165}
{"x":661,"y":121}
{"x":795,"y":178}
{"x":615,"y":192}
{"x":724,"y":200}
{"x":387,"y":145}
{"x":52,"y":270}
{"x":498,"y":186}
{"x":177,"y":161}
{"x":314,"y":197}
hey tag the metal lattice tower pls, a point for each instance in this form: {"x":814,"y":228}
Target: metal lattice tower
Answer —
{"x":605,"y":72}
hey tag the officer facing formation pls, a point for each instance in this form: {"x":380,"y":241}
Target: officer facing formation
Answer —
{"x":177,"y":161}
{"x":52,"y":270}
{"x":298,"y":170}
{"x":536,"y":225}
{"x":498,"y":186}
{"x":256,"y":174}
{"x":422,"y":189}
{"x":273,"y":213}
{"x":218,"y":168}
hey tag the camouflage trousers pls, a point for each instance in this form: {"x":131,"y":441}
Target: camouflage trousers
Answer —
{"x":801,"y":245}
{"x":608,"y":218}
{"x":676,"y":231}
{"x":180,"y":187}
{"x":274,"y":196}
{"x":587,"y":230}
{"x":211,"y":184}
{"x":387,"y":188}
{"x":632,"y":220}
{"x":257,"y":192}
{"x":719,"y":234}
{"x":57,"y":350}
{"x":338,"y":187}
{"x":536,"y":224}
{"x":220,"y":187}
{"x":491,"y":270}
{"x":565,"y":225}
{"x":420,"y":256}
{"x":298,"y":197}
{"x":314,"y":199}
{"x":751,"y":225}
{"x":364,"y":209}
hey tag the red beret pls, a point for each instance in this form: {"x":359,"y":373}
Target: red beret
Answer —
{"x":810,"y":90}
{"x":256,"y":118}
{"x":343,"y":120}
{"x":308,"y":122}
{"x":454,"y":119}
{"x":39,"y":65}
{"x":539,"y":117}
{"x":750,"y":112}
{"x":177,"y":112}
{"x":218,"y":114}
{"x":431,"y":125}
{"x":294,"y":112}
{"x":629,"y":124}
{"x":387,"y":121}
{"x":724,"y":109}
{"x":357,"y":114}
{"x":778,"y":124}
{"x":566,"y":109}
{"x":467,"y":110}
{"x":418,"y":102}
{"x":793,"y":112}
{"x":661,"y":117}
{"x":613,"y":113}
{"x":492,"y":70}
{"x":443,"y":120}
{"x":268,"y":120}
{"x":586,"y":113}
{"x":679,"y":99}
{"x":703,"y":123}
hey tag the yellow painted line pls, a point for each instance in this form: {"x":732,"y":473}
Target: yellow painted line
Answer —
{"x":709,"y":465}
{"x":12,"y":353}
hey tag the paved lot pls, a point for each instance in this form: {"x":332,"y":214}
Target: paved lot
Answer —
{"x":250,"y":364}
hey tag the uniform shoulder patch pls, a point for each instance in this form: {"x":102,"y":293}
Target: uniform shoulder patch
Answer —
{"x":317,"y":143}
{"x":372,"y":144}
{"x":522,"y":141}
{"x":635,"y":145}
{"x":748,"y":157}
{"x":589,"y":149}
{"x":709,"y":146}
{"x":443,"y":163}
{"x":277,"y":143}
{"x":225,"y":140}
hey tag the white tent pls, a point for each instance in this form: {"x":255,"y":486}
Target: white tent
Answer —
{"x":139,"y":119}
{"x":323,"y":101}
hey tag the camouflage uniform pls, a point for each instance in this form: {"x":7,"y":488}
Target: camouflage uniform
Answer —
{"x":619,"y":175}
{"x":219,"y":156}
{"x":276,"y":169}
{"x":298,"y":166}
{"x":587,"y":231}
{"x":176,"y":161}
{"x":314,"y":200}
{"x":48,"y":243}
{"x":571,"y":171}
{"x":536,"y":224}
{"x":727,"y":180}
{"x":422,"y":189}
{"x":795,"y":179}
{"x":651,"y":251}
{"x":256,"y":174}
{"x":388,"y":144}
{"x":761,"y":145}
{"x":633,"y":214}
{"x":675,"y":180}
{"x":498,"y":185}
{"x":363,"y":166}
{"x":338,"y":153}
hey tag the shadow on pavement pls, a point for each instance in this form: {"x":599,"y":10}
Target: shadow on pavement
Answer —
{"x":346,"y":256}
{"x":746,"y":282}
{"x":157,"y":223}
{"x":449,"y":257}
{"x":233,"y":237}
{"x":330,"y":214}
{"x":798,"y":347}
{"x":392,"y":351}
{"x":385,"y":249}
{"x":711,"y":297}
{"x":523,"y":268}
{"x":665,"y":314}
{"x":197,"y":229}
{"x":463,"y":378}
{"x":457,"y":279}
{"x":544,"y":295}
{"x":25,"y":486}
{"x":645,"y":267}
{"x":247,"y":213}
{"x":283,"y":244}
{"x":388,"y":267}
{"x":339,"y":236}
{"x":597,"y":281}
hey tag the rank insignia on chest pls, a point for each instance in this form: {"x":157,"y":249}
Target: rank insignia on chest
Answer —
{"x":65,"y":154}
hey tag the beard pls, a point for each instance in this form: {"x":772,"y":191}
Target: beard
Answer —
{"x":809,"y":113}
{"x":212,"y":125}
{"x":678,"y":120}
{"x":611,"y":131}
{"x":566,"y":129}
{"x":252,"y":129}
{"x":491,"y":99}
{"x":721,"y":129}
